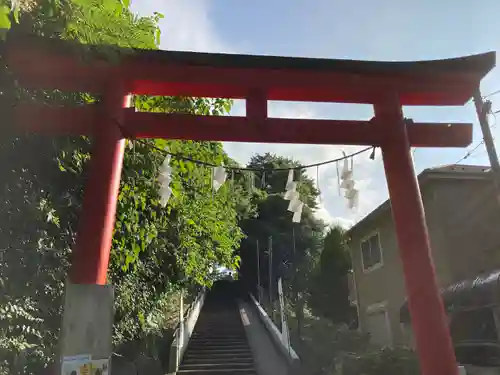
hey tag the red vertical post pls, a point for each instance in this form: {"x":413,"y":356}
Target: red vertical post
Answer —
{"x":95,"y":232}
{"x":434,"y":345}
{"x":256,"y":107}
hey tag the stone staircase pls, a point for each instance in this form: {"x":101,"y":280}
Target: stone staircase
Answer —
{"x":219,"y":345}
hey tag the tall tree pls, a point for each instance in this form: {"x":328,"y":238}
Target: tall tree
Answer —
{"x":294,"y":245}
{"x":155,"y":250}
{"x":273,"y":180}
{"x":329,"y":286}
{"x":43,"y":181}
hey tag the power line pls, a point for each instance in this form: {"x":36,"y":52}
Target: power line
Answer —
{"x":491,"y":94}
{"x":470,"y":152}
{"x":208,"y":164}
{"x":485,"y":97}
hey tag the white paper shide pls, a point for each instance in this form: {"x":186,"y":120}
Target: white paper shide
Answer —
{"x":292,"y":195}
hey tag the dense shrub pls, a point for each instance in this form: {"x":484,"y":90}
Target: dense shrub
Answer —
{"x":386,"y":361}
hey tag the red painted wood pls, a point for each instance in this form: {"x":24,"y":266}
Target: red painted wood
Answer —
{"x":256,"y":106}
{"x":280,"y":130}
{"x":56,"y":121}
{"x":80,"y":120}
{"x":148,"y":76}
{"x":434,"y":345}
{"x":35,"y":67}
{"x":93,"y":243}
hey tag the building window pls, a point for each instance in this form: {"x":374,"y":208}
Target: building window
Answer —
{"x":371,"y":252}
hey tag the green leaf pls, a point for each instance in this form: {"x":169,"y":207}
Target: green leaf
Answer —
{"x":157,"y":36}
{"x":15,"y":13}
{"x":61,"y":167}
{"x":4,"y":17}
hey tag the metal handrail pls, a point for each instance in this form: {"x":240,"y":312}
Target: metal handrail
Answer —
{"x":189,"y":309}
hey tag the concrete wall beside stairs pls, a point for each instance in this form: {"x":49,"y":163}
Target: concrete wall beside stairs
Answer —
{"x":271,"y":354}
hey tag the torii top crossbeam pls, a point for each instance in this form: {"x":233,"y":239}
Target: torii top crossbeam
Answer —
{"x":54,"y":63}
{"x":51,"y":64}
{"x":67,"y":66}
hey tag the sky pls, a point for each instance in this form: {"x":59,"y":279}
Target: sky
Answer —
{"x":387,"y":30}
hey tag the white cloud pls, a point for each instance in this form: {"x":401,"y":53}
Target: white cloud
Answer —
{"x":322,"y":213}
{"x":368,"y":173}
{"x":187,"y":26}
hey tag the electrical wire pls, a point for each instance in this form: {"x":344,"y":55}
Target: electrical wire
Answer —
{"x":470,"y":152}
{"x":491,"y":94}
{"x":208,"y":164}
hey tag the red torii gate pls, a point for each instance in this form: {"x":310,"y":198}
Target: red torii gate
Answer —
{"x":52,"y":64}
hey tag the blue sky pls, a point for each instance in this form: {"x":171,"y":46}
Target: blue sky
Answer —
{"x":348,"y":29}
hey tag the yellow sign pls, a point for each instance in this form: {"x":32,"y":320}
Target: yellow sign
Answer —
{"x":76,"y":365}
{"x":85,"y":369}
{"x":84,"y":365}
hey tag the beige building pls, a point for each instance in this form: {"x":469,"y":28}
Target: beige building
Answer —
{"x":463,"y":218}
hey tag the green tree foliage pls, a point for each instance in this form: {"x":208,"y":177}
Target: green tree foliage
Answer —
{"x":155,"y":251}
{"x":107,"y":22}
{"x":155,"y":248}
{"x":325,"y":346}
{"x":329,"y":296}
{"x":36,"y":232}
{"x":273,"y":181}
{"x":401,"y":361}
{"x":313,"y":265}
{"x":273,"y":220}
{"x":295,"y":246}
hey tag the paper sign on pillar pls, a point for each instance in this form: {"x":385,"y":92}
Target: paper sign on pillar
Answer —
{"x":84,"y":365}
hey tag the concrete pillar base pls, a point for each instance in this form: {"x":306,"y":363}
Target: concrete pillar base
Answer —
{"x":87,"y":325}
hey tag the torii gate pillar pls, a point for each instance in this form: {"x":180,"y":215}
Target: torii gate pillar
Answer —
{"x":97,"y":222}
{"x":89,"y":300}
{"x":429,"y":323}
{"x":168,"y":73}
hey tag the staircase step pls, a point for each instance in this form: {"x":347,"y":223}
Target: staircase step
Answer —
{"x":221,"y":340}
{"x":218,"y":356}
{"x":204,"y":344}
{"x":218,"y":372}
{"x":228,"y":359}
{"x":220,"y":330}
{"x":215,"y":352}
{"x":218,"y":335}
{"x":230,"y":338}
{"x":218,"y":345}
{"x":207,"y":340}
{"x":200,"y":352}
{"x":228,"y":365}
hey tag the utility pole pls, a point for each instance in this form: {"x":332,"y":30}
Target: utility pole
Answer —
{"x":270,"y":257}
{"x":284,"y":322}
{"x":258,"y":272}
{"x":482,"y":109}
